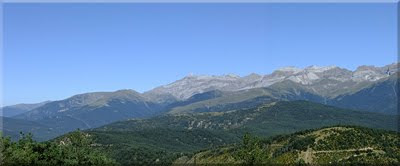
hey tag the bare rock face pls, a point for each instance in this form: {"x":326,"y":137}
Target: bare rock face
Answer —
{"x":191,"y":85}
{"x":323,"y":80}
{"x":372,"y":73}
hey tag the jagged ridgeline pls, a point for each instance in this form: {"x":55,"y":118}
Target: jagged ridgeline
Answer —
{"x":337,"y":145}
{"x":368,"y":88}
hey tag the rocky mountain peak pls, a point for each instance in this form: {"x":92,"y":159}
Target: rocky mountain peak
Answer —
{"x":230,"y":75}
{"x":317,"y":78}
{"x":125,"y":94}
{"x":366,"y":68}
{"x":319,"y":69}
{"x":252,"y":76}
{"x":290,"y":69}
{"x":368,"y":73}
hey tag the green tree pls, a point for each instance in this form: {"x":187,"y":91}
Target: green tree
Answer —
{"x":250,"y":151}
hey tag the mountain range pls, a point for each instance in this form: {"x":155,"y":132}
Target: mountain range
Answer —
{"x":329,"y":81}
{"x":368,"y":88}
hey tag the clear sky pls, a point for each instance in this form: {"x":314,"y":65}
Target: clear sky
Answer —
{"x":53,"y":51}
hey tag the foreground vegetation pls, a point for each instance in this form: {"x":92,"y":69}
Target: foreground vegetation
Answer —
{"x":75,"y":148}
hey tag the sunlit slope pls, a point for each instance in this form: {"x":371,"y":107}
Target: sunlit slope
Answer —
{"x":332,"y":145}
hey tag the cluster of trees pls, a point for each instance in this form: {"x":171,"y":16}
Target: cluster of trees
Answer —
{"x":74,"y":149}
{"x":129,"y":155}
{"x":358,"y":138}
{"x":256,"y":151}
{"x":285,"y":149}
{"x":296,"y":143}
{"x":160,"y":146}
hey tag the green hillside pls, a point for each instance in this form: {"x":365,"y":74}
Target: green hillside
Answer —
{"x":163,"y":139}
{"x":331,"y":145}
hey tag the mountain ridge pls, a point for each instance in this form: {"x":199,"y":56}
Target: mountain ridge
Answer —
{"x":12,"y":110}
{"x":358,"y":74}
{"x":90,"y":110}
{"x":190,"y":85}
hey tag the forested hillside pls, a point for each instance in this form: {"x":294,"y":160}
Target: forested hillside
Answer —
{"x":165,"y":138}
{"x":348,"y":145}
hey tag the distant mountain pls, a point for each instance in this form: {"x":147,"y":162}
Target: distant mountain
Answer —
{"x":226,"y":101}
{"x":9,"y":111}
{"x":134,"y":141}
{"x":197,"y":98}
{"x":377,"y":96}
{"x":191,"y":85}
{"x":92,"y":110}
{"x":329,"y":81}
{"x":12,"y":128}
{"x":381,"y":97}
{"x":338,"y":145}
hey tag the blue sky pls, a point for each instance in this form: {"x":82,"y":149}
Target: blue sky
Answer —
{"x":53,"y":51}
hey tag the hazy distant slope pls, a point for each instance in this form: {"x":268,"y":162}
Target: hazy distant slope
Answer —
{"x":92,"y":110}
{"x":12,"y":127}
{"x":380,"y":97}
{"x":9,"y":111}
